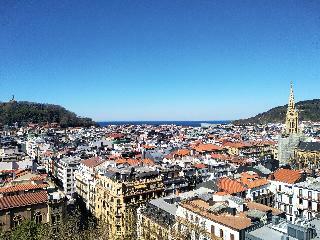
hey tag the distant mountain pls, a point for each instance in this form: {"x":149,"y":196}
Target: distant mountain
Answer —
{"x":30,"y":112}
{"x":309,"y":110}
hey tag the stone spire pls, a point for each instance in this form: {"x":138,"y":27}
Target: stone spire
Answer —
{"x":292,"y":114}
{"x":291,"y":97}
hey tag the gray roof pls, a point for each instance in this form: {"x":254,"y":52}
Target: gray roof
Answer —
{"x":262,"y":169}
{"x":266,"y":232}
{"x":167,"y":207}
{"x":309,"y":146}
{"x":314,"y":185}
{"x":256,"y":213}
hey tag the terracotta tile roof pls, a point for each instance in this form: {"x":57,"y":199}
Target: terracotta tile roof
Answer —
{"x":221,"y":193}
{"x":200,"y":207}
{"x":207,"y":148}
{"x":133,"y":162}
{"x":148,"y":161}
{"x":252,"y":180}
{"x":220,"y":156}
{"x":92,"y":162}
{"x":200,"y":166}
{"x":121,"y":161}
{"x":230,"y":186}
{"x":39,"y":177}
{"x":287,"y":175}
{"x":22,"y":187}
{"x":148,"y":147}
{"x":263,"y":208}
{"x":237,"y":144}
{"x":182,"y":152}
{"x":116,"y":135}
{"x":23,"y":200}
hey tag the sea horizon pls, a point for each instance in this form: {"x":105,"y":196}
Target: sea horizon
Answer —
{"x":164,"y":122}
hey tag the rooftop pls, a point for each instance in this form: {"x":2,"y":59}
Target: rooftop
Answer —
{"x":23,"y":200}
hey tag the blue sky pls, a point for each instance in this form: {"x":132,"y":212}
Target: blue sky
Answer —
{"x":160,"y":60}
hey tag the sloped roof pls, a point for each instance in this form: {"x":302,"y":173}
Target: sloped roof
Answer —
{"x":92,"y":162}
{"x":22,"y":187}
{"x":230,"y":186}
{"x":309,"y":146}
{"x":23,"y":200}
{"x":207,"y":147}
{"x":287,"y":175}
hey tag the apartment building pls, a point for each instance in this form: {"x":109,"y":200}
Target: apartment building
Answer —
{"x":119,"y":192}
{"x":85,"y":181}
{"x":66,"y":168}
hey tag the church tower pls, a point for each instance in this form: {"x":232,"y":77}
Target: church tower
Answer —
{"x":292,"y":115}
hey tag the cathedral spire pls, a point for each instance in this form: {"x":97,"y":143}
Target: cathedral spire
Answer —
{"x":291,"y":105}
{"x":292,"y":114}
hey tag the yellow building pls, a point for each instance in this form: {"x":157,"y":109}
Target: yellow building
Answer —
{"x":119,"y":192}
{"x":307,"y":155}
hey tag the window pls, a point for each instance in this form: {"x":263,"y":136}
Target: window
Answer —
{"x":300,"y":201}
{"x":309,"y":215}
{"x":53,"y":219}
{"x":290,"y":209}
{"x":300,"y":192}
{"x":17,"y":221}
{"x":212,"y":230}
{"x":309,"y":194}
{"x":38,"y":217}
{"x":309,"y":204}
{"x":290,"y":200}
{"x":221,"y":233}
{"x":231,"y":236}
{"x":279,"y":188}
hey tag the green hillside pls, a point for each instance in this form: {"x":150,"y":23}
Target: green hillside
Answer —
{"x":30,"y":112}
{"x":309,"y":110}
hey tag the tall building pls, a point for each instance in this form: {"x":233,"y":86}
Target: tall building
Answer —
{"x":292,"y":115}
{"x":292,"y":136}
{"x":119,"y":192}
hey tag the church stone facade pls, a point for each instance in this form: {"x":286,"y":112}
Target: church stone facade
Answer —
{"x":292,"y":136}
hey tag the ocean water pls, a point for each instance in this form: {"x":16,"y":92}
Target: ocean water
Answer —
{"x":157,"y":123}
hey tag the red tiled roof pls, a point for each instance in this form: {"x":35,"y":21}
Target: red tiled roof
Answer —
{"x":252,"y":180}
{"x":182,"y":152}
{"x":287,"y":175}
{"x":263,"y":208}
{"x":39,"y":177}
{"x":200,"y":166}
{"x":116,"y":135}
{"x":148,"y":161}
{"x":237,"y":144}
{"x":230,"y":186}
{"x":207,"y":148}
{"x":148,"y":147}
{"x":133,"y":162}
{"x":22,"y":187}
{"x":23,"y":200}
{"x":92,"y":162}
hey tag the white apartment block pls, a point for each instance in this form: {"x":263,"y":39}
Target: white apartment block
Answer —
{"x":66,"y":168}
{"x":299,"y":200}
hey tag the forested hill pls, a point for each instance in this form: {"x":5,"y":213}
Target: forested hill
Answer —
{"x":309,"y":110}
{"x":30,"y":112}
